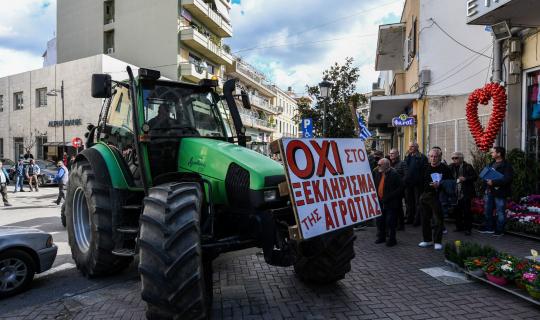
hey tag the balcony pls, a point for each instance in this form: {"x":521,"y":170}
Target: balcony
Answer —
{"x":252,"y":77}
{"x":250,"y":120}
{"x":201,"y":43}
{"x":210,"y":18}
{"x":189,"y":72}
{"x":263,"y":104}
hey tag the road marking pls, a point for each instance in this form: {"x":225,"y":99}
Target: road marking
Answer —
{"x":62,"y":267}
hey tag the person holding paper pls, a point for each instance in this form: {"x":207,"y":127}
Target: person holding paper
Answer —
{"x":434,"y":173}
{"x":389,"y":189}
{"x":465,"y":177}
{"x":498,"y":189}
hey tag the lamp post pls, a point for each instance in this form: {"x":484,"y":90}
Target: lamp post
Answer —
{"x":324,"y":88}
{"x":54,"y":93}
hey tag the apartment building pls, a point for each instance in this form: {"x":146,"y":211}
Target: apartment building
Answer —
{"x":180,"y":38}
{"x":287,"y":125}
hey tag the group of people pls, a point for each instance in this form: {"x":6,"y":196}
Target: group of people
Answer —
{"x":432,"y":189}
{"x":31,"y":171}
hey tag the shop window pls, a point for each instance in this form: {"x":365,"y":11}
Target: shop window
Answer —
{"x":533,"y":114}
{"x":41,"y":97}
{"x":18,"y":102}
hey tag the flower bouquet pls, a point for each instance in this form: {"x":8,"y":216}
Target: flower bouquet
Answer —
{"x":499,"y":271}
{"x":475,"y":264}
{"x":531,"y":278}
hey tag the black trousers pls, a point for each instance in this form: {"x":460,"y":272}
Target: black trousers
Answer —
{"x":431,"y":209}
{"x":412,"y":202}
{"x":386,"y":223}
{"x":61,"y":194}
{"x":462,"y":213}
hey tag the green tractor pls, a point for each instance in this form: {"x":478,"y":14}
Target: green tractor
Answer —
{"x":162,"y":176}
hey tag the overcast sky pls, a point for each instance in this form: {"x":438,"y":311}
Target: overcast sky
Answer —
{"x":291,"y":41}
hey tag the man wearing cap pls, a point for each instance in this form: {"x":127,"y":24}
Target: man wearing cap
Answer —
{"x":465,"y":177}
{"x":4,"y":181}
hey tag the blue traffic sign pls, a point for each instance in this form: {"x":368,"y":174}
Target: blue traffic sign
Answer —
{"x":307,"y":128}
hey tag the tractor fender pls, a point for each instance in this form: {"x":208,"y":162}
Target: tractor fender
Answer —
{"x":106,"y":165}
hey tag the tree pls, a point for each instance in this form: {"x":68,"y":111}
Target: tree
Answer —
{"x":339,"y":121}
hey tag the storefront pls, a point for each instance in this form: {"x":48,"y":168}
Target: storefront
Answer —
{"x":531,"y":112}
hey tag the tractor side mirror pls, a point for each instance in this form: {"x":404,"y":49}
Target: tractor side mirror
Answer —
{"x":101,"y":86}
{"x":245,"y":100}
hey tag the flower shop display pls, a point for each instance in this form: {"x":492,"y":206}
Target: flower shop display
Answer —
{"x":475,"y":265}
{"x":500,"y":270}
{"x":531,"y":278}
{"x":524,"y":217}
{"x":457,"y":252}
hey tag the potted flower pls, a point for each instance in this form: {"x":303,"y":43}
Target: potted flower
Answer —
{"x":475,"y":264}
{"x":520,"y":268}
{"x":499,"y":271}
{"x":532,"y":282}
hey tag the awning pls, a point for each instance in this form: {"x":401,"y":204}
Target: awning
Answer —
{"x":384,"y":108}
{"x":57,"y":144}
{"x":518,"y":13}
{"x":389,"y":55}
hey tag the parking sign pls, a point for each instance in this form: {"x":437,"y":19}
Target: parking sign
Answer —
{"x":307,"y":128}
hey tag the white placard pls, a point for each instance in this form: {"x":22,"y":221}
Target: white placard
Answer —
{"x":330,"y":183}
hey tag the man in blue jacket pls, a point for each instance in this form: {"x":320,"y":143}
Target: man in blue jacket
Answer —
{"x":62,"y":179}
{"x":19,"y":176}
{"x":497,"y":191}
{"x":4,"y":181}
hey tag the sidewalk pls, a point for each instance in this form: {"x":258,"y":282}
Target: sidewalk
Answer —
{"x":384,"y":283}
{"x":31,"y":199}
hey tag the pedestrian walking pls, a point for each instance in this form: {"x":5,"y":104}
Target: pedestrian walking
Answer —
{"x":497,"y":191}
{"x":389,"y":189}
{"x":465,"y":177}
{"x":4,"y":181}
{"x":32,"y":171}
{"x":19,"y":176}
{"x":434,"y":173}
{"x":62,"y":179}
{"x":416,"y":163}
{"x":401,"y":168}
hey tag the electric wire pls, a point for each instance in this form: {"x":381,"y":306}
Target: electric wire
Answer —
{"x":462,"y":80}
{"x":456,"y":41}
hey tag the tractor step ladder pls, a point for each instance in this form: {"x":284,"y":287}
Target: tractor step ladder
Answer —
{"x":127,"y":230}
{"x":132,"y":207}
{"x":124,"y":252}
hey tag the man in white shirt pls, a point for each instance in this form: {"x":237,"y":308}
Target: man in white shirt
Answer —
{"x":4,"y":180}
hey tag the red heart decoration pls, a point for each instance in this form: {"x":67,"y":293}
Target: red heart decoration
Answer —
{"x":484,"y":138}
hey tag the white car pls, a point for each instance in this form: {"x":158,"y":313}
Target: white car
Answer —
{"x":23,"y":253}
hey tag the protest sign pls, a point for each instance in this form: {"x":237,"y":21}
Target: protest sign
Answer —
{"x":330,"y":184}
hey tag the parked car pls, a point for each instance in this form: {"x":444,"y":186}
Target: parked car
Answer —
{"x":23,"y":253}
{"x":8,"y":164}
{"x":48,"y":170}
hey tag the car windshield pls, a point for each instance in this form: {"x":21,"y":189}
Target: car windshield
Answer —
{"x":45,"y":164}
{"x":170,"y":109}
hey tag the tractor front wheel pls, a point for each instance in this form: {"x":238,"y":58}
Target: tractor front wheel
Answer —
{"x":325,"y":259}
{"x":176,"y":278}
{"x":89,"y":224}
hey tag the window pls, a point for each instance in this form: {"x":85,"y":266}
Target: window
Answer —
{"x":18,"y":101}
{"x":410,"y":45}
{"x":40,"y":141}
{"x":18,"y":147}
{"x":41,"y":97}
{"x":1,"y":103}
{"x":1,"y":147}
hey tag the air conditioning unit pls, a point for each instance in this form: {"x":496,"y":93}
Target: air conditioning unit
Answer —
{"x":501,"y":31}
{"x":424,"y":77}
{"x":110,"y":50}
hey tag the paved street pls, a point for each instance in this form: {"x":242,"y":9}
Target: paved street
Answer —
{"x":385,"y":283}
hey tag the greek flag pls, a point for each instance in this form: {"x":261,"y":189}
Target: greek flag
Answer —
{"x":364,"y":132}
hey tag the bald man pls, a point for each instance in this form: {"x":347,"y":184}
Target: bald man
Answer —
{"x":389,"y":189}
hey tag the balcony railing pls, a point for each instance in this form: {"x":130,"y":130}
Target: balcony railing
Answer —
{"x":189,"y":71}
{"x":201,"y":42}
{"x":250,"y":120}
{"x":263,"y":104}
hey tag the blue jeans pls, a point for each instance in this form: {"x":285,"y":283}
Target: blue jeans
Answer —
{"x":500,"y":207}
{"x":19,"y":183}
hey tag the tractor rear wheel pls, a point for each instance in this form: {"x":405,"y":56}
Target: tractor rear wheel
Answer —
{"x":89,"y":224}
{"x":175,"y":276}
{"x":325,"y":259}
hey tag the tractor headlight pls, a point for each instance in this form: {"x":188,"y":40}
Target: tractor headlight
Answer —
{"x":270,"y":195}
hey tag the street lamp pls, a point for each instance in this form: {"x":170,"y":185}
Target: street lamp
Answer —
{"x":324,"y":88}
{"x":54,"y":93}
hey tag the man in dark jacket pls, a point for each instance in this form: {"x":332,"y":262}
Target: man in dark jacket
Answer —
{"x":416,"y":162}
{"x":465,"y":177}
{"x":401,"y":169}
{"x":434,"y":173}
{"x":497,"y":191}
{"x":389,"y":190}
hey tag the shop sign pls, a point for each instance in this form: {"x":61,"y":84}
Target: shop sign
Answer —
{"x":330,"y":184}
{"x":67,"y":123}
{"x":477,"y":8}
{"x":403,"y":121}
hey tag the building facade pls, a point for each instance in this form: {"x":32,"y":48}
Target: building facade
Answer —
{"x":287,"y":121}
{"x":421,"y":77}
{"x":180,"y":38}
{"x":32,"y":120}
